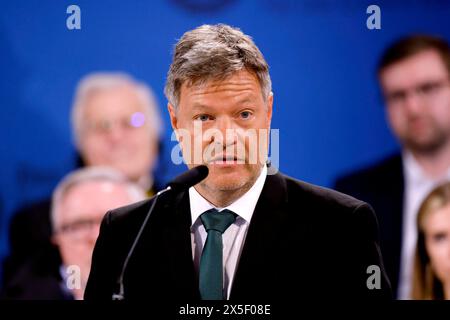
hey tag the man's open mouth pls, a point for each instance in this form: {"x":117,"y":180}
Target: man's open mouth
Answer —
{"x":226,"y":160}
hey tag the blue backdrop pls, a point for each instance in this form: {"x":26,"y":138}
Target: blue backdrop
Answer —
{"x":322,"y":58}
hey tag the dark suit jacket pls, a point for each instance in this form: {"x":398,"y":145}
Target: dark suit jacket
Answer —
{"x":29,"y":237}
{"x":37,"y":279}
{"x":303,"y":242}
{"x":382,"y":186}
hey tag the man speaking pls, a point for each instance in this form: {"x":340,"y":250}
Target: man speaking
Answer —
{"x":241,"y":233}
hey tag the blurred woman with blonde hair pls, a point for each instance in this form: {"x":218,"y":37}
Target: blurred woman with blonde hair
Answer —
{"x":431,"y":275}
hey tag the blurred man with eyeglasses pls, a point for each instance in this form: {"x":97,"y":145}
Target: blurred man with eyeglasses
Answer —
{"x":414,"y":75}
{"x":116,"y":123}
{"x":79,"y":203}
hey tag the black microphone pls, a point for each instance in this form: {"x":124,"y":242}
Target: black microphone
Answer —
{"x":189,"y":178}
{"x":181,"y":182}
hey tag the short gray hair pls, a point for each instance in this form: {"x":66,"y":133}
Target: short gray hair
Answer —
{"x":89,"y":174}
{"x":212,"y":52}
{"x":100,"y":81}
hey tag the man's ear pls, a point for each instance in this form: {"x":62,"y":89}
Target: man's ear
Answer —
{"x":173,"y":116}
{"x":269,"y":107}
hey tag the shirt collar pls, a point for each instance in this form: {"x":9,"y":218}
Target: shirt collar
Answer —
{"x":414,"y":173}
{"x":243,"y":207}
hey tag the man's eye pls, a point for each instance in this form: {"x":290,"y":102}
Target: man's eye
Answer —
{"x":428,"y":88}
{"x":203,"y":117}
{"x":245,"y":114}
{"x":397,"y":96}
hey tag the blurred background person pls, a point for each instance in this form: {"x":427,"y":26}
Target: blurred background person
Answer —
{"x":414,"y":75}
{"x":79,"y":203}
{"x":431,"y":274}
{"x":116,"y":123}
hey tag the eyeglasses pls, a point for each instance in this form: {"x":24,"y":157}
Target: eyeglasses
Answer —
{"x":426,"y":91}
{"x":79,"y":229}
{"x":103,"y":126}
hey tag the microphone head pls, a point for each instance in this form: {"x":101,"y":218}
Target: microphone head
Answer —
{"x":189,"y":178}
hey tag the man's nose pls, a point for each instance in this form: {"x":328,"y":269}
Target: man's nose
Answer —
{"x":413,"y":103}
{"x":448,"y":250}
{"x":115,"y":133}
{"x":227,"y":129}
{"x":224,"y":123}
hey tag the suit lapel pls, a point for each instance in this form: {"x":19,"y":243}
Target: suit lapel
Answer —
{"x":178,"y":247}
{"x":392,"y":225}
{"x":262,"y":232}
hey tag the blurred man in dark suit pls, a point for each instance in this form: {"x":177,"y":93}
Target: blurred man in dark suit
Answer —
{"x":414,"y":75}
{"x":241,"y":233}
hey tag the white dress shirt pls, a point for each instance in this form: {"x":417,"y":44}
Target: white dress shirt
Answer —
{"x":417,"y":187}
{"x":234,"y":237}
